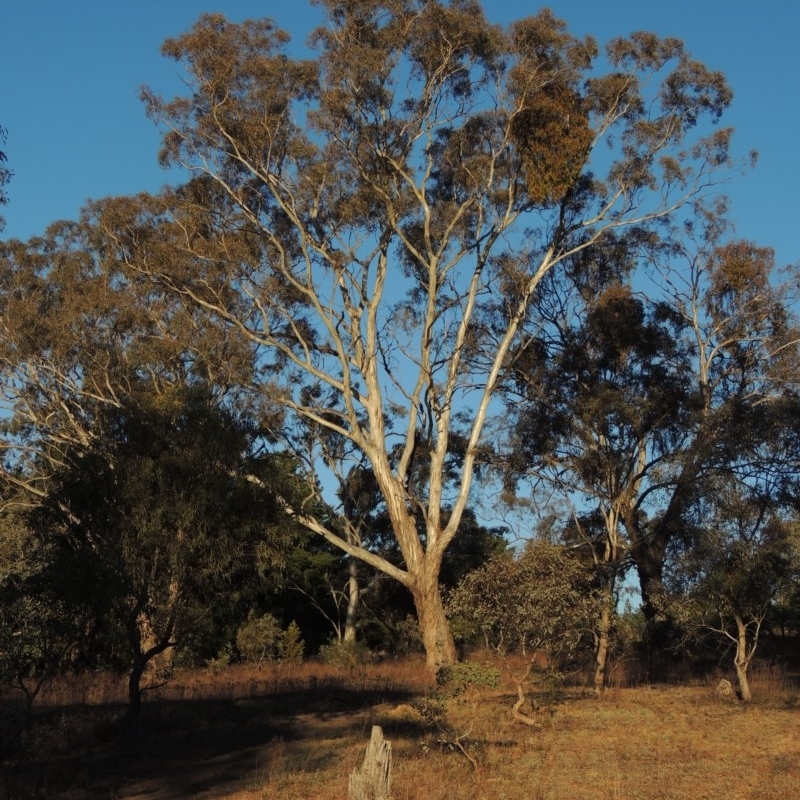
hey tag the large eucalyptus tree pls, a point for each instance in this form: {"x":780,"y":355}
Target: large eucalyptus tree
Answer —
{"x":374,"y":221}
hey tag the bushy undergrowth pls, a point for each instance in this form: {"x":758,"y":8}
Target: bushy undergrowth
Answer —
{"x":344,"y":655}
{"x":261,"y":639}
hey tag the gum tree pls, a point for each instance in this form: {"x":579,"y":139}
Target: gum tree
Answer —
{"x":160,"y":516}
{"x":601,"y":399}
{"x":741,"y":336}
{"x":77,"y":335}
{"x":631,"y":403}
{"x":723,"y":586}
{"x":375,"y":221}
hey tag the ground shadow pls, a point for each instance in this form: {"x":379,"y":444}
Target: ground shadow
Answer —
{"x":189,"y":746}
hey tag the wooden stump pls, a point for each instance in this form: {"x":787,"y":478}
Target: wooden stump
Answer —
{"x":373,"y":781}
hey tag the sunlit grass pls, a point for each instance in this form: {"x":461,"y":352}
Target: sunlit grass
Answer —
{"x":248,"y":735}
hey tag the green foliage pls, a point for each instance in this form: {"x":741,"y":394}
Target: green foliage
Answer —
{"x":220,"y":662}
{"x":291,"y":648}
{"x":542,"y":598}
{"x":312,"y":589}
{"x":473,"y":547}
{"x":160,"y":517}
{"x":344,"y":655}
{"x":433,"y":711}
{"x":456,"y":679}
{"x":36,"y":634}
{"x":41,"y":611}
{"x":738,"y":563}
{"x":259,"y":639}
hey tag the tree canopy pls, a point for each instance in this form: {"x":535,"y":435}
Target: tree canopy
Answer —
{"x":161,"y":516}
{"x":375,"y":221}
{"x":370,"y":246}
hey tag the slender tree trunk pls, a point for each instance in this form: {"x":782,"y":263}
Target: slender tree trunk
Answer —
{"x":145,"y":646}
{"x":131,"y":719}
{"x":603,"y":642}
{"x":135,"y":689}
{"x":440,"y":648}
{"x":353,"y":596}
{"x":743,"y":659}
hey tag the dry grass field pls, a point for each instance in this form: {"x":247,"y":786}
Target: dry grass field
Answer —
{"x":296,"y":735}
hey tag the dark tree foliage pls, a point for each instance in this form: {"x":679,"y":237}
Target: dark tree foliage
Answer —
{"x":41,"y":619}
{"x":724,"y":580}
{"x":633,"y":404}
{"x":161,"y":519}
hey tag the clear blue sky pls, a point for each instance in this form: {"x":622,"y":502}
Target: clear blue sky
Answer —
{"x":70,"y":72}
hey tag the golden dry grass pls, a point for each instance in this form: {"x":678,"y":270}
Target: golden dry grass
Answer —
{"x":242,"y":735}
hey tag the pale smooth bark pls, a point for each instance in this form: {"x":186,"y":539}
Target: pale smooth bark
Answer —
{"x":745,"y":650}
{"x":367,"y":228}
{"x":353,"y":595}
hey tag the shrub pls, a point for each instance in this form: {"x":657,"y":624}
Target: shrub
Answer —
{"x":259,"y":639}
{"x":344,"y":655}
{"x":221,"y":661}
{"x":292,"y":647}
{"x":454,"y":680}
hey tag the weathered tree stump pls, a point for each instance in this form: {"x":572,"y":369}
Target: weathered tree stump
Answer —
{"x":373,"y":781}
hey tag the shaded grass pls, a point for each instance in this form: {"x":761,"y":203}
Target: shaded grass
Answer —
{"x":244,"y":735}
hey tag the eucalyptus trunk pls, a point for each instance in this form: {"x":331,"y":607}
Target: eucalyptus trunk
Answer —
{"x":353,"y":597}
{"x":603,"y":642}
{"x":744,"y":656}
{"x":437,"y":638}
